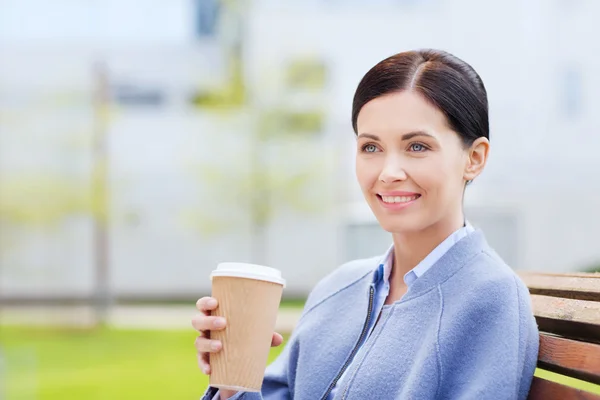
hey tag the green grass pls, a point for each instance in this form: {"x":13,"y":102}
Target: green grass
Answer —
{"x":189,"y":302}
{"x":293,"y":303}
{"x":576,"y":383}
{"x":100,"y":364}
{"x":53,"y":364}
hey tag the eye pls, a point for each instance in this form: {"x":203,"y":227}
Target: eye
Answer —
{"x":369,"y":148}
{"x":418,"y":147}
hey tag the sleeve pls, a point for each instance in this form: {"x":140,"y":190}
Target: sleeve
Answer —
{"x":211,"y":394}
{"x":488,"y":348}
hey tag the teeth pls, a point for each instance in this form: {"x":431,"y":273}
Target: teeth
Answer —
{"x":399,"y":199}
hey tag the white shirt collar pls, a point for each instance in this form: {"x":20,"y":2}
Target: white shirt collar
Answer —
{"x":385,"y":267}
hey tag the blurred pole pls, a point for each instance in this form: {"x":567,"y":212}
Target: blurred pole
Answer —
{"x":260,"y":207}
{"x":99,"y":192}
{"x":260,"y":200}
{"x":234,"y":36}
{"x":2,"y":355}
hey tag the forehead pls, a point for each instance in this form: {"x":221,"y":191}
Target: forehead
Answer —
{"x":399,"y":113}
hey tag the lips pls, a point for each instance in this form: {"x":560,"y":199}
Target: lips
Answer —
{"x":397,"y":200}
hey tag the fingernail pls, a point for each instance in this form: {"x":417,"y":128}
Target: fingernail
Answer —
{"x":219,"y":323}
{"x":216,"y":345}
{"x":211,"y":303}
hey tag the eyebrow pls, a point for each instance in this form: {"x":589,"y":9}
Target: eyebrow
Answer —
{"x":406,"y":136}
{"x":410,"y":135}
{"x":368,"y":136}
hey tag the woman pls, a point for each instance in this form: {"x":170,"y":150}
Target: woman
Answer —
{"x":440,"y":315}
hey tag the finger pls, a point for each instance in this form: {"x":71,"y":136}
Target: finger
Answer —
{"x":204,"y":345}
{"x":203,"y":363}
{"x":202,"y":322}
{"x":206,"y":304}
{"x":277,"y":340}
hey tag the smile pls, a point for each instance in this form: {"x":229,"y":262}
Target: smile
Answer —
{"x":399,"y":199}
{"x":397,"y":202}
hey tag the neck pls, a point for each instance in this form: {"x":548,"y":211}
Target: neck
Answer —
{"x":410,"y":248}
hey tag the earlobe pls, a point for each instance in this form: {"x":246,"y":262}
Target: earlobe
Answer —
{"x":477,"y":158}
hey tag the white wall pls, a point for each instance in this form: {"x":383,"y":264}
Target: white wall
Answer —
{"x":556,"y":231}
{"x":543,"y":169}
{"x":106,"y":22}
{"x":519,"y":48}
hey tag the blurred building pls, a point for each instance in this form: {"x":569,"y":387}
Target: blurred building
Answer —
{"x":536,"y":201}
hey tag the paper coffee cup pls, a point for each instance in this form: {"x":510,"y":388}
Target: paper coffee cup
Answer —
{"x":249,"y":297}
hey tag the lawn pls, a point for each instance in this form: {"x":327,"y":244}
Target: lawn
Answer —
{"x":52,"y":364}
{"x":100,"y":364}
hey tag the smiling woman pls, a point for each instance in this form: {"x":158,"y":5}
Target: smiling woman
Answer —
{"x":439,"y":315}
{"x":422,"y":134}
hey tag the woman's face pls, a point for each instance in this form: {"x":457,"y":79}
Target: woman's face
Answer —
{"x":410,"y":165}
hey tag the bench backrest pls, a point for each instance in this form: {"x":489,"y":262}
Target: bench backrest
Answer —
{"x":567,"y":310}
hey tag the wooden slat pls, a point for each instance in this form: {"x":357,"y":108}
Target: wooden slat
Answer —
{"x":577,"y":319}
{"x":580,"y":287}
{"x":542,"y":389}
{"x":575,"y":274}
{"x":579,"y":360}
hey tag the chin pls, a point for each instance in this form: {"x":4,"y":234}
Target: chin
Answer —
{"x":400,"y":224}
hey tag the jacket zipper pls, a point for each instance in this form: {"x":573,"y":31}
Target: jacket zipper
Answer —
{"x":355,"y":350}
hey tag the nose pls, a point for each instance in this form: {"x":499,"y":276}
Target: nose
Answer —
{"x":392,"y":171}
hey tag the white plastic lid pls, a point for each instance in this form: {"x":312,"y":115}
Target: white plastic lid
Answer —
{"x":250,"y":271}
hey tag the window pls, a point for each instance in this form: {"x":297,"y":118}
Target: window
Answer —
{"x":207,"y":17}
{"x":138,"y":95}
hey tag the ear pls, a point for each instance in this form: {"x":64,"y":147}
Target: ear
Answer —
{"x":476,"y":158}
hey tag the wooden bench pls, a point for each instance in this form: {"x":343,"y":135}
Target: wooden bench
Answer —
{"x":567,"y":310}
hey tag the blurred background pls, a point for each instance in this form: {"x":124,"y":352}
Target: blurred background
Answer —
{"x":143,"y":142}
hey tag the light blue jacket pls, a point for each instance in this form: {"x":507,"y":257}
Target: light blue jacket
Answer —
{"x":464,"y":330}
{"x":382,"y":288}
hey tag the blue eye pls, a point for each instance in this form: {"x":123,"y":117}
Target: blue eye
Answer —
{"x":417,"y":147}
{"x":370,"y":148}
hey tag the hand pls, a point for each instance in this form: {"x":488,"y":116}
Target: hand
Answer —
{"x":204,"y":323}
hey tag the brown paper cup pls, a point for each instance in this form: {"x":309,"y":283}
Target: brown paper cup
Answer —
{"x":249,"y":298}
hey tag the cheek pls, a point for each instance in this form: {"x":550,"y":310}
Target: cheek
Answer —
{"x":436,"y":176}
{"x":448,"y":178}
{"x":366,"y":173}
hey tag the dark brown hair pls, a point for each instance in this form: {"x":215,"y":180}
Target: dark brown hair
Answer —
{"x":446,"y":81}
